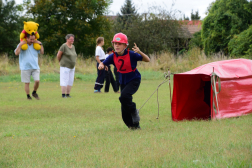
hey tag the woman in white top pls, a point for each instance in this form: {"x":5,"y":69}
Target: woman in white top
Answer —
{"x":99,"y":56}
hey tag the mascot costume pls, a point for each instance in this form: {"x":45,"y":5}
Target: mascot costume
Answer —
{"x":30,"y":28}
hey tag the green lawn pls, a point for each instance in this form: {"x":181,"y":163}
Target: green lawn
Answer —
{"x":87,"y":130}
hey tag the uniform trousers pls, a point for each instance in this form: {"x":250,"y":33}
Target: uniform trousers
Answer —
{"x":128,"y":107}
{"x":110,"y":79}
{"x":100,"y":78}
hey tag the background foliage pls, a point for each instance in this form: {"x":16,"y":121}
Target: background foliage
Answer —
{"x":153,"y":32}
{"x":10,"y":26}
{"x":225,"y":28}
{"x":83,"y":18}
{"x":126,"y":17}
{"x":195,"y":16}
{"x":196,"y":41}
{"x":225,"y":19}
{"x":241,"y":45}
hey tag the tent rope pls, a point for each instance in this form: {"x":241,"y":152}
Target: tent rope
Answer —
{"x":214,"y":79}
{"x":167,"y":78}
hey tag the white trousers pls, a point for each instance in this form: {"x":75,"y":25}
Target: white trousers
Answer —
{"x":66,"y":76}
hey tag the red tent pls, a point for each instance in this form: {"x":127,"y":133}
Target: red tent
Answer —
{"x":195,"y":96}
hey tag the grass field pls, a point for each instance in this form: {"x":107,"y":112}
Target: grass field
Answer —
{"x":87,"y":130}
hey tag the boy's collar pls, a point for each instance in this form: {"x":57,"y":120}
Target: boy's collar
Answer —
{"x":125,"y":52}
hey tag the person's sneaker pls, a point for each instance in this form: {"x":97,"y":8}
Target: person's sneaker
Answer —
{"x":64,"y":97}
{"x":135,"y":128}
{"x":97,"y":91}
{"x":29,"y":98}
{"x":68,"y":96}
{"x":35,"y":95}
{"x":135,"y":116}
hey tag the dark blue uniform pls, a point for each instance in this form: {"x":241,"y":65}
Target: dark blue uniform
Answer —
{"x":130,"y":83}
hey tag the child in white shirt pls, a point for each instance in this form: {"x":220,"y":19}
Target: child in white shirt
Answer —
{"x":99,"y":56}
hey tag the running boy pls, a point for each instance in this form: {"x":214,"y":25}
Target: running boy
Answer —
{"x":129,"y":77}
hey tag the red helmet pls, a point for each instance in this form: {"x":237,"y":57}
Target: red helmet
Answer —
{"x":120,"y":38}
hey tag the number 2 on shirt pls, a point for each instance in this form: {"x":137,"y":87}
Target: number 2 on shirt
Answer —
{"x":121,"y":60}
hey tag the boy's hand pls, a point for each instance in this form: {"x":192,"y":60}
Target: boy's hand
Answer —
{"x":101,"y":66}
{"x":106,"y":68}
{"x":145,"y":57}
{"x":136,"y":49}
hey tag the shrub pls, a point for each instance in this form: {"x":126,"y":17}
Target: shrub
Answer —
{"x":241,"y":45}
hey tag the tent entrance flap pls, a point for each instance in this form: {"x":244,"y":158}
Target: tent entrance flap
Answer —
{"x":207,"y":95}
{"x":191,"y":97}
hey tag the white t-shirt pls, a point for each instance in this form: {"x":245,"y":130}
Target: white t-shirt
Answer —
{"x":99,"y":52}
{"x":106,"y":56}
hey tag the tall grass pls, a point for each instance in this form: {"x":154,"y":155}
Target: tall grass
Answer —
{"x":161,"y":62}
{"x":181,"y":63}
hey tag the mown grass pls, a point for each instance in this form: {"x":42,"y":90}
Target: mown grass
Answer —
{"x":87,"y":131}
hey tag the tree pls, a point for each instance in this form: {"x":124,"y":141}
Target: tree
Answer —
{"x":241,"y":45}
{"x":225,"y":19}
{"x":196,"y":41}
{"x":186,"y":18}
{"x":153,"y":32}
{"x":195,"y":16}
{"x":128,"y":14}
{"x":10,"y":28}
{"x":83,"y":18}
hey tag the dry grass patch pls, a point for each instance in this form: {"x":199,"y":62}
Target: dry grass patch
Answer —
{"x":161,"y":62}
